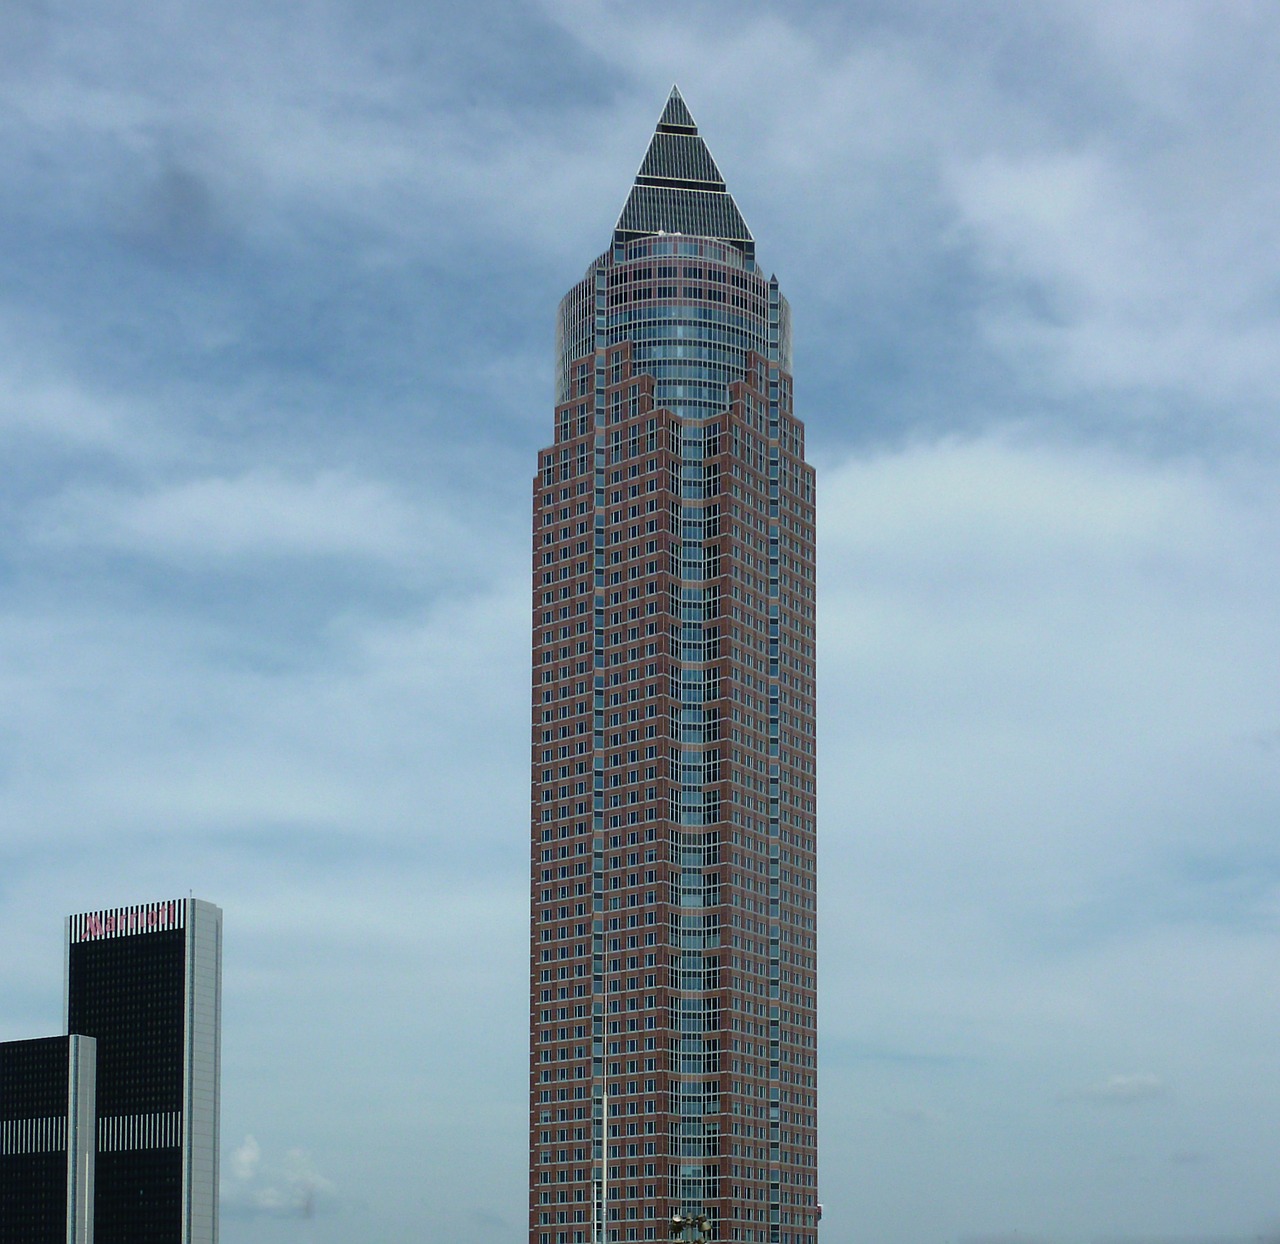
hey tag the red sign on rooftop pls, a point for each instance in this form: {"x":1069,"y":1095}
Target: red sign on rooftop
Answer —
{"x":124,"y":921}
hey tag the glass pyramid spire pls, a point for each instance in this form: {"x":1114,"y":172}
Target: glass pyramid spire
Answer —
{"x":679,"y":188}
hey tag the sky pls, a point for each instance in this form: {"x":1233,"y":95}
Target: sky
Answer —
{"x":277,"y":296}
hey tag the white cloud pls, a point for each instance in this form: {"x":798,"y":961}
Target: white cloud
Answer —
{"x":43,"y":400}
{"x":288,"y":1186}
{"x":260,"y":513}
{"x":1041,"y":666}
{"x":1104,"y":287}
{"x":55,"y":409}
{"x":245,"y":1159}
{"x":171,"y":723}
{"x":1138,"y":1087}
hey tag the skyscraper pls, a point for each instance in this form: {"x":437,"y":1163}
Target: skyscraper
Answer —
{"x":673,"y":938}
{"x":146,"y":982}
{"x":47,"y":1140}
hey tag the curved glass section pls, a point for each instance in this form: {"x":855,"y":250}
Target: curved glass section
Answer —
{"x":692,"y":307}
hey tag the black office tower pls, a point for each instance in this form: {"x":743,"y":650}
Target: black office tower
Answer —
{"x":146,"y":982}
{"x":46,"y":1141}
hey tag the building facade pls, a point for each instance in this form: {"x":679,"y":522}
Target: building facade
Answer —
{"x":146,"y":983}
{"x":673,"y":1053}
{"x":47,"y":1140}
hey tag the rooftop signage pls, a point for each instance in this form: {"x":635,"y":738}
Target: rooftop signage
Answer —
{"x":127,"y":921}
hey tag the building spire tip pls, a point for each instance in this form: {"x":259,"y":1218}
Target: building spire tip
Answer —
{"x":676,"y":114}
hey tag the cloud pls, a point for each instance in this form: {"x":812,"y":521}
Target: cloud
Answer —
{"x":42,"y":399}
{"x":1038,"y":660}
{"x":288,"y":1187}
{"x":1102,"y":289}
{"x":245,"y":1159}
{"x":259,"y":126}
{"x":257,"y":514}
{"x":1123,"y":1089}
{"x":286,"y":729}
{"x":1023,"y":610}
{"x":180,"y":214}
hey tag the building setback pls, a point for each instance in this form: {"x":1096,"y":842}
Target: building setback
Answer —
{"x":146,"y":982}
{"x":673,"y":937}
{"x":46,"y":1140}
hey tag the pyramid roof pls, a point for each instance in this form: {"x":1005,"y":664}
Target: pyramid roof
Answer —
{"x":678,"y":188}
